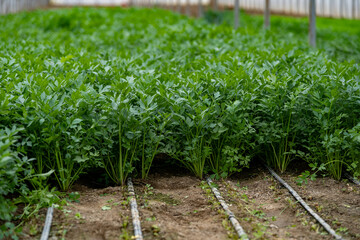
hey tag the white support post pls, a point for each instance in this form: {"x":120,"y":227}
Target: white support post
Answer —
{"x":312,"y":23}
{"x":298,"y":7}
{"x":188,"y":8}
{"x":236,"y":14}
{"x":341,"y":9}
{"x":353,"y":9}
{"x":215,"y":6}
{"x":178,"y":6}
{"x":267,"y":14}
{"x":200,"y":9}
{"x":331,"y":11}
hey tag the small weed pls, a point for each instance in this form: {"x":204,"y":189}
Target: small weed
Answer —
{"x":343,"y":230}
{"x":34,"y":230}
{"x":125,"y":235}
{"x":319,"y":208}
{"x":151,"y":219}
{"x":66,"y":211}
{"x":73,"y":197}
{"x":258,"y":213}
{"x":148,"y":190}
{"x":315,"y":227}
{"x":155,"y":230}
{"x":78,"y":216}
{"x":291,"y":203}
{"x":259,"y":231}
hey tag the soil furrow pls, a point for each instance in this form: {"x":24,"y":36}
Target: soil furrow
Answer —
{"x":337,"y":202}
{"x":175,"y":207}
{"x":98,"y":214}
{"x":266,"y":210}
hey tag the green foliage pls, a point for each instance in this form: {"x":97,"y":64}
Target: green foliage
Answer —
{"x":15,"y":172}
{"x":113,"y":88}
{"x":10,"y":166}
{"x":338,"y":38}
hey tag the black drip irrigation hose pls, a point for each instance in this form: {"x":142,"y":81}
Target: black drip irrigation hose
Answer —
{"x":134,"y":211}
{"x":240,"y":231}
{"x":303,"y":203}
{"x":348,"y":176}
{"x":47,"y":226}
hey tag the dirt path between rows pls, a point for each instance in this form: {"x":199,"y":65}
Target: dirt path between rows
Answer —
{"x":337,"y":202}
{"x":176,"y":207}
{"x":98,"y":214}
{"x":265,"y":209}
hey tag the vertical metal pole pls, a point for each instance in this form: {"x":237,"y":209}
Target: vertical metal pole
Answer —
{"x":200,"y":9}
{"x":178,"y":6}
{"x":346,"y":15}
{"x":236,"y":14}
{"x":341,"y":8}
{"x":330,"y":8}
{"x":267,"y":14}
{"x":312,"y":23}
{"x":215,"y":5}
{"x":353,"y":9}
{"x":188,"y":8}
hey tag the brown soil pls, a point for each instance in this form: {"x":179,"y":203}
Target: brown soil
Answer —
{"x":179,"y":206}
{"x":176,"y":207}
{"x":265,"y":209}
{"x":99,"y":214}
{"x":337,"y":202}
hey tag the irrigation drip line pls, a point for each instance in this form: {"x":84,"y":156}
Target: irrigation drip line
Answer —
{"x":240,"y":231}
{"x":47,"y":226}
{"x":357,"y":182}
{"x":303,"y":203}
{"x":134,"y":211}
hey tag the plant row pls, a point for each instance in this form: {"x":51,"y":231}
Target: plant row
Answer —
{"x":212,"y":99}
